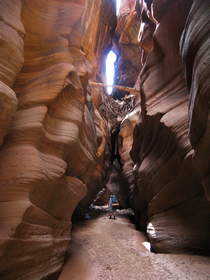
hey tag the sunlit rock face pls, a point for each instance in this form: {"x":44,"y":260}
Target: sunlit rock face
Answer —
{"x":196,"y":54}
{"x":55,"y":150}
{"x":166,"y":192}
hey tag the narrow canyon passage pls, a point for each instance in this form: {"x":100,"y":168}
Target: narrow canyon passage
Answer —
{"x":69,"y":141}
{"x":104,"y":249}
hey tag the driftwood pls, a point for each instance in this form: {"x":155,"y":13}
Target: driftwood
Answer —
{"x":123,"y":88}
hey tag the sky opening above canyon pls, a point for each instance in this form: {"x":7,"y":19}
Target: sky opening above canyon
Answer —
{"x":110,"y":60}
{"x":118,"y":3}
{"x":110,"y":70}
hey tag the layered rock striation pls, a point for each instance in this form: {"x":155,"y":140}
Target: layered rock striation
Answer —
{"x":56,"y":147}
{"x":12,"y":55}
{"x":196,"y":55}
{"x":165,"y":187}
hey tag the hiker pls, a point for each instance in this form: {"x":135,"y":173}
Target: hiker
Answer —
{"x":110,"y":207}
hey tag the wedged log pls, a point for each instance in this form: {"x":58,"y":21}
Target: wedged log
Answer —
{"x":52,"y":154}
{"x":122,"y":88}
{"x":167,"y":187}
{"x":196,"y":54}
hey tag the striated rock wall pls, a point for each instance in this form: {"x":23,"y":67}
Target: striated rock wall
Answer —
{"x":55,"y":150}
{"x":165,"y":187}
{"x":196,"y":54}
{"x":11,"y":60}
{"x":125,"y":143}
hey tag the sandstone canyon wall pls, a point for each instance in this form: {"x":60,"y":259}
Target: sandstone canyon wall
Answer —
{"x":196,"y":55}
{"x":165,"y":189}
{"x":54,"y":146}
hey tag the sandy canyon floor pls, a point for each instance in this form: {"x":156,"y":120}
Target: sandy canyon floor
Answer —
{"x":104,"y":249}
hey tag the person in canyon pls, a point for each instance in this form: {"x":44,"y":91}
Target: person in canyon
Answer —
{"x":112,"y":199}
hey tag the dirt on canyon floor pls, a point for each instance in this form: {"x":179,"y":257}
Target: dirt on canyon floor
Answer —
{"x":108,"y":249}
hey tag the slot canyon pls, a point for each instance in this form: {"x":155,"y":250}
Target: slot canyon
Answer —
{"x":67,"y":145}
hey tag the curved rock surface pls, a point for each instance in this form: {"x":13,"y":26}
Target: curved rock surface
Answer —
{"x":52,"y":156}
{"x":196,"y":53}
{"x":11,"y":59}
{"x":167,"y":193}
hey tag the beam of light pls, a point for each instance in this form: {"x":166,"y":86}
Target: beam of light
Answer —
{"x":118,"y":2}
{"x":110,"y":71}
